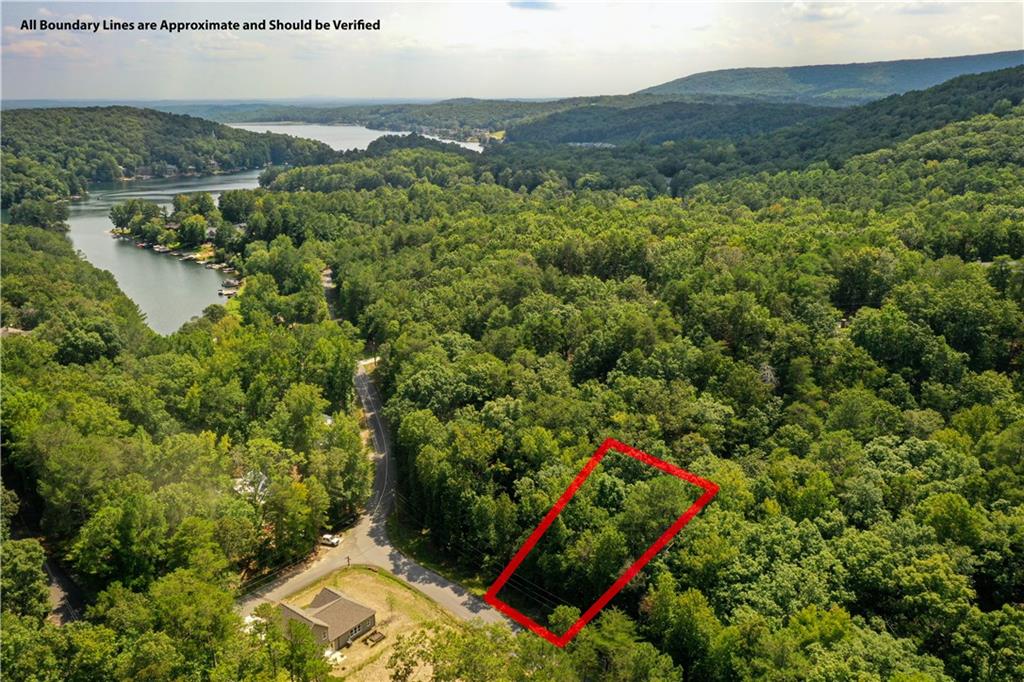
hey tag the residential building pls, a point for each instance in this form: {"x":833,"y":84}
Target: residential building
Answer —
{"x":335,"y":620}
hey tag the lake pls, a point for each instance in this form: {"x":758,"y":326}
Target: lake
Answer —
{"x":171,"y":292}
{"x":337,"y":136}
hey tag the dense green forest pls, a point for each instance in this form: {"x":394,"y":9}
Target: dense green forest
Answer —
{"x":658,"y":123}
{"x":55,"y":153}
{"x":168,"y":470}
{"x":837,"y":343}
{"x":837,"y":84}
{"x":676,"y":166}
{"x":812,"y":341}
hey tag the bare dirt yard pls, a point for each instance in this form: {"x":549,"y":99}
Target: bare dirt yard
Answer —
{"x":400,"y":610}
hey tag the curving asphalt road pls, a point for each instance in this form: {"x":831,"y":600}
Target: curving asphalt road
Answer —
{"x":367,"y":543}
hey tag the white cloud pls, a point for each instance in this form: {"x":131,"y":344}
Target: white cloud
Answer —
{"x":822,"y":12}
{"x":62,"y":47}
{"x":534,"y":5}
{"x":226,"y":46}
{"x":922,"y":7}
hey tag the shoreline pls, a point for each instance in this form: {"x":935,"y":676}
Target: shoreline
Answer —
{"x":74,"y":198}
{"x":434,"y":133}
{"x":195,"y":256}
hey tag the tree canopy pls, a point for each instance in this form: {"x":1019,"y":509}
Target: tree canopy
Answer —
{"x":54,"y":153}
{"x":838,"y":347}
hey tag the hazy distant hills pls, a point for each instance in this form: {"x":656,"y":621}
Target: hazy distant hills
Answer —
{"x":835,"y":132}
{"x":727,"y":104}
{"x":836,"y":84}
{"x":679,"y":165}
{"x":460,"y":117}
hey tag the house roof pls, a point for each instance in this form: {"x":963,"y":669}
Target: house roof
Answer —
{"x":302,"y":615}
{"x":324,"y":597}
{"x":332,"y":609}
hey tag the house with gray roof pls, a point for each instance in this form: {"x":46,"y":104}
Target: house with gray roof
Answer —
{"x":335,"y":620}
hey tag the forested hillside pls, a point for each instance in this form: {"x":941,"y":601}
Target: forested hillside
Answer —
{"x":78,"y":308}
{"x":836,"y":84}
{"x":816,"y":342}
{"x":657,"y":119}
{"x":54,"y":153}
{"x":463,"y":114}
{"x":829,"y":359}
{"x":676,"y":166}
{"x":836,"y":338}
{"x":658,"y":123}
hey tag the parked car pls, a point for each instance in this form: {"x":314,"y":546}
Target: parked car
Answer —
{"x":330,"y":540}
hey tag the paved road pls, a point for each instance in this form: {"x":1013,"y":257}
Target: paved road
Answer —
{"x":368,"y":543}
{"x":66,"y":601}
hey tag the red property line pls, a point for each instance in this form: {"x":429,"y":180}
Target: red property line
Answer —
{"x":491,"y":597}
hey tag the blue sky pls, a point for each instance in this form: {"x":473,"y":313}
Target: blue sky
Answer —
{"x":500,"y":49}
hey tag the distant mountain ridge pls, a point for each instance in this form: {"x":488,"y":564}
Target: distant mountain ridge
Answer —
{"x":836,"y":84}
{"x":658,"y":113}
{"x":830,"y":140}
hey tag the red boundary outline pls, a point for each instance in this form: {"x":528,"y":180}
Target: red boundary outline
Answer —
{"x":491,"y":597}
